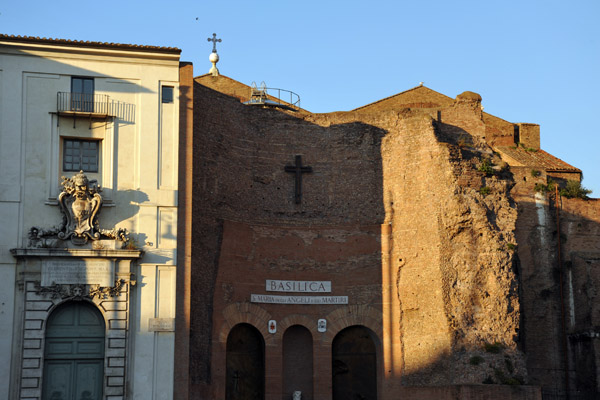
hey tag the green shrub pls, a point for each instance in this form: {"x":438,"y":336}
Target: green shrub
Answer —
{"x":573,"y":189}
{"x":485,"y":190}
{"x":531,"y":149}
{"x":486,"y":167}
{"x":475,"y":360}
{"x":493,"y":348}
{"x":535,"y":173}
{"x":548,"y":187}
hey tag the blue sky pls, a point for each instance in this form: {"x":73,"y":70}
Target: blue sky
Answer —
{"x":531,"y":61}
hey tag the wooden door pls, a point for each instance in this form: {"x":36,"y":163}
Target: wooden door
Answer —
{"x":245,"y":375}
{"x":297,"y":362}
{"x":354,"y":365}
{"x":74,"y":353}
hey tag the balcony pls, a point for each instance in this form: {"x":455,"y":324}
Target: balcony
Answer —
{"x":93,"y":106}
{"x":83,"y":103}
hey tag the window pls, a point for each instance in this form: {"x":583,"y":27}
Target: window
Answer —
{"x":167,"y":94}
{"x":82,"y":94}
{"x":80,"y":155}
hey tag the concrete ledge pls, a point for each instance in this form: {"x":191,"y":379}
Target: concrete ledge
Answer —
{"x":87,"y":253}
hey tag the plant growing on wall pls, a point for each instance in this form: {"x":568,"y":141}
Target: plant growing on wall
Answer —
{"x":485,"y":190}
{"x":486,"y":167}
{"x":574,"y":189}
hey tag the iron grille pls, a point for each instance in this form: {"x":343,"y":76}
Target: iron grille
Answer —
{"x":83,"y":102}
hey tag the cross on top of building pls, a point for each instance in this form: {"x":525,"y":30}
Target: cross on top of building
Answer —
{"x":214,"y":57}
{"x":214,"y":40}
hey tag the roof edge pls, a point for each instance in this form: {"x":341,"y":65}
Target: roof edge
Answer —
{"x":398,"y":94}
{"x":87,"y":44}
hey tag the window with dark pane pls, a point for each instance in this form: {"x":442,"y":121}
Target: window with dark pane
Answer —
{"x":82,"y":94}
{"x":167,"y":94}
{"x":80,"y":155}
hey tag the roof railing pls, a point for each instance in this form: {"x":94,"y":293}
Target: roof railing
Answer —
{"x":273,"y":97}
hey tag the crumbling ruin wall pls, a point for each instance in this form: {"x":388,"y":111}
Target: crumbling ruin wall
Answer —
{"x":449,"y":292}
{"x":558,"y":299}
{"x":453,"y":248}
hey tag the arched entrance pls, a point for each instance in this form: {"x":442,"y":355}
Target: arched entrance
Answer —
{"x":245,"y":379}
{"x":298,"y":362}
{"x":74,"y":353}
{"x":354,"y":364}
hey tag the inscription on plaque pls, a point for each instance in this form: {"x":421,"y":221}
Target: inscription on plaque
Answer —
{"x":161,"y":324}
{"x":93,"y":272}
{"x":268,"y":298}
{"x":298,"y":286}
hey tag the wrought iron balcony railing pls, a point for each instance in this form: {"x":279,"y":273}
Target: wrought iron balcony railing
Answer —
{"x":83,"y":103}
{"x":94,"y":105}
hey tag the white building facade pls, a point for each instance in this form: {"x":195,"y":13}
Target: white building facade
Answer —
{"x":88,"y":261}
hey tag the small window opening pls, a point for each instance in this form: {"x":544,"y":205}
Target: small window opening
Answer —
{"x":167,"y":94}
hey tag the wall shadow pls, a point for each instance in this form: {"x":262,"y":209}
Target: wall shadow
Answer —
{"x":463,"y":292}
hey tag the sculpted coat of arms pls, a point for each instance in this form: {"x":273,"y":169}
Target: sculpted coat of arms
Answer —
{"x":80,"y":202}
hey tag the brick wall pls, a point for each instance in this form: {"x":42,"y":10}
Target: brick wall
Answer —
{"x":395,"y":215}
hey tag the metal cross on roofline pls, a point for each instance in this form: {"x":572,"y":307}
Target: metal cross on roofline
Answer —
{"x":214,"y":40}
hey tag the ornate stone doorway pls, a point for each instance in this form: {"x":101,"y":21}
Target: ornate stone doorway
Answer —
{"x":74,"y":353}
{"x":245,"y":378}
{"x":297,"y":362}
{"x":354,"y":364}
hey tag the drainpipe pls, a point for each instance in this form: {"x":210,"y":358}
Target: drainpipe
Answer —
{"x":562,"y":296}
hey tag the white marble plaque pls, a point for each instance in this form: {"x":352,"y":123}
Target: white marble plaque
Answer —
{"x":322,"y":325}
{"x":272,"y":326}
{"x":91,"y":271}
{"x":298,"y":286}
{"x":161,"y":324}
{"x":268,"y":298}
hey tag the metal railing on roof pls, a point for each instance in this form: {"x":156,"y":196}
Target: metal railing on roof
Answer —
{"x":266,"y":96}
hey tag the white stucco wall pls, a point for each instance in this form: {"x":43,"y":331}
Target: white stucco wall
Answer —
{"x":138,"y":173}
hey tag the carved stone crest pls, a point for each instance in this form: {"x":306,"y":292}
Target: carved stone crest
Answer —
{"x":80,"y":202}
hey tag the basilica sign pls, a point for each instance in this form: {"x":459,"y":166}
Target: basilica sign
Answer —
{"x":272,"y":285}
{"x":298,"y":286}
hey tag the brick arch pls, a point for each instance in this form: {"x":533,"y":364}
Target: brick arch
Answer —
{"x":296,"y":319}
{"x":238,"y":313}
{"x":343,"y":317}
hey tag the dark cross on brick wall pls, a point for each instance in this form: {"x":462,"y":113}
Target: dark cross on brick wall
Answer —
{"x":298,"y":170}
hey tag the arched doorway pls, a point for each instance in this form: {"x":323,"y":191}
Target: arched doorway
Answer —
{"x":298,"y":362}
{"x":354,"y":364}
{"x":74,"y":353}
{"x":245,"y":375}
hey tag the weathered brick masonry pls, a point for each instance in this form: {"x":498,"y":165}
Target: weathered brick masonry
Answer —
{"x":436,"y":253}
